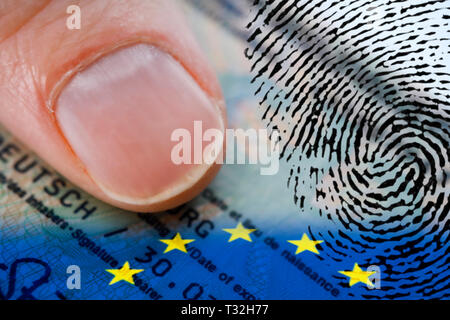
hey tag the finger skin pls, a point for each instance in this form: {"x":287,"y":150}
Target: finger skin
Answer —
{"x":38,"y":55}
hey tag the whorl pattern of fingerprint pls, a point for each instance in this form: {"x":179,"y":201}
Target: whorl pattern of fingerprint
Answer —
{"x":359,"y":91}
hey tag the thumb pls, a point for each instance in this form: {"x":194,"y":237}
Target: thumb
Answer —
{"x":100,"y":103}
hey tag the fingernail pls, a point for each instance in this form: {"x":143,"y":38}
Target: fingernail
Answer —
{"x":118,"y":115}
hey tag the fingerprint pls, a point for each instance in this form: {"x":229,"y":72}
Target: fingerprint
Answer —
{"x":359,"y":91}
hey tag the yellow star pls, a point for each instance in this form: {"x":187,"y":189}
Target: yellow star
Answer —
{"x":305,"y":244}
{"x":358,"y":275}
{"x":240,"y":232}
{"x":124,"y":273}
{"x":176,"y":243}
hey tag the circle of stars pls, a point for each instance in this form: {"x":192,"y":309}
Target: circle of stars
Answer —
{"x":125,"y":273}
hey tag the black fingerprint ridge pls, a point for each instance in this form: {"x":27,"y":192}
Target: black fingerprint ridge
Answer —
{"x":359,"y":91}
